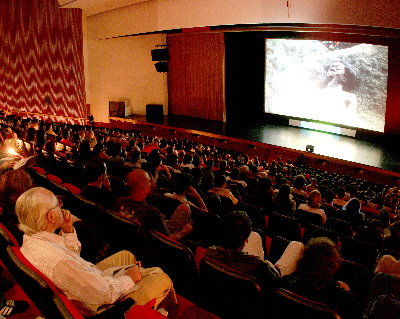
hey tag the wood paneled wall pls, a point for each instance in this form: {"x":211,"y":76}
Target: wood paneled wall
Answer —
{"x":196,"y":78}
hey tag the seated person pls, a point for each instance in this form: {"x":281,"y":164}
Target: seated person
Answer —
{"x":314,"y":199}
{"x":237,"y":229}
{"x":298,"y":187}
{"x":340,"y":199}
{"x":98,"y":188}
{"x":135,"y":206}
{"x":284,"y":199}
{"x":352,"y":212}
{"x":314,"y":278}
{"x":182,"y":214}
{"x":90,"y":287}
{"x":220,"y":188}
{"x":12,"y":184}
{"x":327,"y":204}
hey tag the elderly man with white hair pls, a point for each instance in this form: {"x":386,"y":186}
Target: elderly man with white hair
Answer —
{"x":91,"y":287}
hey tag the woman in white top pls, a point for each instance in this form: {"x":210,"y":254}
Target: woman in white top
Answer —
{"x":314,"y":199}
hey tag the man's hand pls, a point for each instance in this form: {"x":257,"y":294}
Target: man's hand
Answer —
{"x":135,"y":274}
{"x":67,"y":225}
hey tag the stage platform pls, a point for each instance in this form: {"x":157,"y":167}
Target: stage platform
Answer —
{"x":371,"y":153}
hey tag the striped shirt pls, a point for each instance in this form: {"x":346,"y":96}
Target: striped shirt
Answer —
{"x":57,"y":257}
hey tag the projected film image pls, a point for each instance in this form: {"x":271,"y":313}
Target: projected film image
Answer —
{"x":335,"y":82}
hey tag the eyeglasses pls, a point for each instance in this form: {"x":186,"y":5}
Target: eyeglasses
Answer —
{"x":59,"y":204}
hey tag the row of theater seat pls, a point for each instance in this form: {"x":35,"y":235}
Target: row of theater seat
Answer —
{"x":178,"y":261}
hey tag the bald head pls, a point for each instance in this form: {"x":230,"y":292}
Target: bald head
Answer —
{"x":139,"y":184}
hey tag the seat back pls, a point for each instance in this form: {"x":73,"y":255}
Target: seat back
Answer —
{"x":288,"y":305}
{"x":6,"y":238}
{"x":165,"y":204}
{"x":369,"y":236}
{"x":206,"y":227}
{"x":228,"y":293}
{"x":341,"y":227}
{"x":122,"y":233}
{"x":178,"y":262}
{"x":284,"y":226}
{"x":85,"y":209}
{"x":46,"y":297}
{"x":305,"y":217}
{"x":277,"y":247}
{"x":313,"y":231}
{"x":359,"y":252}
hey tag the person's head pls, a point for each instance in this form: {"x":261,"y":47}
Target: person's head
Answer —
{"x":299,"y":182}
{"x":352,"y":207}
{"x":236,"y":229}
{"x":375,"y":225}
{"x":234,"y":173}
{"x":341,"y":192}
{"x":182,"y":183}
{"x":329,"y":196}
{"x":94,"y":169}
{"x":314,"y":199}
{"x":188,"y":158}
{"x":139,"y":183}
{"x":343,"y":73}
{"x":319,"y":263}
{"x":219,"y":180}
{"x":38,"y":209}
{"x":284,"y":191}
{"x":388,"y":200}
{"x":12,"y":184}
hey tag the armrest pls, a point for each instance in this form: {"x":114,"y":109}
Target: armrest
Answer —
{"x":117,"y":310}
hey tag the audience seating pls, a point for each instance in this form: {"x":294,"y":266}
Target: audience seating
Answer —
{"x":256,"y":214}
{"x":313,"y":231}
{"x":288,"y":305}
{"x":341,"y":227}
{"x":207,"y":227}
{"x":277,"y":247}
{"x":284,"y":226}
{"x":369,"y":236}
{"x":126,"y":234}
{"x":45,"y":295}
{"x":359,"y":252}
{"x":305,"y":217}
{"x":349,"y":270}
{"x":178,"y":262}
{"x":87,"y":210}
{"x":166,"y":205}
{"x":281,"y":209}
{"x":230,"y":294}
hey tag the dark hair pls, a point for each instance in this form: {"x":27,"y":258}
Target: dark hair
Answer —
{"x":350,"y":83}
{"x":320,"y":261}
{"x":182,"y":182}
{"x":299,"y":182}
{"x":94,"y":168}
{"x":236,"y":228}
{"x":219,"y":180}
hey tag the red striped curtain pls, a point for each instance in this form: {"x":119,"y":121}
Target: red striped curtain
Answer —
{"x":41,"y":58}
{"x":196,"y":83}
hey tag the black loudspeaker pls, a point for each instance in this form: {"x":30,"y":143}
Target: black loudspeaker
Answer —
{"x":161,"y":66}
{"x":160,"y":55}
{"x":154,"y":113}
{"x":310,"y":148}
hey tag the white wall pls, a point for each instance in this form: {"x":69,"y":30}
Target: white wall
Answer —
{"x":122,"y":67}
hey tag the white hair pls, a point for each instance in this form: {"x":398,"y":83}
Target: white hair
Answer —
{"x":32,"y":207}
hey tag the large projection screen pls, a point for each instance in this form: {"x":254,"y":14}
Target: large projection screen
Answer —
{"x":329,"y":81}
